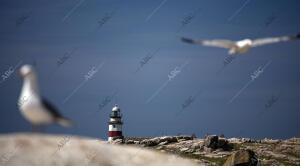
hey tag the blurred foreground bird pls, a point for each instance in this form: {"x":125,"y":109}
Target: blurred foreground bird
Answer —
{"x":241,"y":46}
{"x":35,"y":109}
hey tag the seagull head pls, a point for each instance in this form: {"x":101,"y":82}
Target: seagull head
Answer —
{"x":26,"y":71}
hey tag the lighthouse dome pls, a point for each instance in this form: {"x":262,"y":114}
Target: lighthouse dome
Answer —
{"x":116,"y":108}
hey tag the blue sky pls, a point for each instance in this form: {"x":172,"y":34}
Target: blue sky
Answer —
{"x":52,"y":29}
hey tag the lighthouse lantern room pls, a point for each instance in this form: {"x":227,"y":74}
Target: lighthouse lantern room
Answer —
{"x":115,"y":124}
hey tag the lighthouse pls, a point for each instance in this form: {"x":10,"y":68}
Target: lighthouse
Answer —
{"x":115,"y":124}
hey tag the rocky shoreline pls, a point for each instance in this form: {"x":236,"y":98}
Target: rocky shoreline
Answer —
{"x":42,"y":149}
{"x":215,"y":150}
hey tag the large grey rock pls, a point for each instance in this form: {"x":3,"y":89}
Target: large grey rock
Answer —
{"x":184,"y":149}
{"x":159,"y":140}
{"x":214,"y":142}
{"x":242,"y":158}
{"x":163,"y":143}
{"x":211,"y":141}
{"x":150,"y":142}
{"x":184,"y":137}
{"x":129,"y":142}
{"x":167,"y":139}
{"x":46,"y":150}
{"x":222,"y":142}
{"x":235,"y":140}
{"x":117,"y":141}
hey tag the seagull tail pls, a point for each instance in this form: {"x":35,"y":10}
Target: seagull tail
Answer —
{"x":187,"y":40}
{"x":64,"y":122}
{"x":295,"y":36}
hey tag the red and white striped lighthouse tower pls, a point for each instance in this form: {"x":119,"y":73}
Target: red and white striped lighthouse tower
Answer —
{"x":115,"y":124}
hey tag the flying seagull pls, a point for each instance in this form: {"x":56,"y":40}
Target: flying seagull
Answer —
{"x":35,"y":109}
{"x":241,"y":46}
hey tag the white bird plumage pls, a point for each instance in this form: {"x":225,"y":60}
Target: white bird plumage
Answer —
{"x":34,"y":108}
{"x":241,"y":46}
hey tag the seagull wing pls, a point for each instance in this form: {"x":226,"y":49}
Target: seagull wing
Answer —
{"x":259,"y":42}
{"x":215,"y":43}
{"x":54,"y":112}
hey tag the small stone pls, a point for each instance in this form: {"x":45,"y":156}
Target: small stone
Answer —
{"x":180,"y":140}
{"x":184,"y":149}
{"x":129,"y":142}
{"x":163,"y":143}
{"x":159,"y":148}
{"x":208,"y":150}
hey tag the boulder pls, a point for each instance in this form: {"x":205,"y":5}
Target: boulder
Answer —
{"x":221,"y":142}
{"x":129,"y":142}
{"x":163,"y":143}
{"x":167,"y":139}
{"x":117,"y":141}
{"x":242,"y":158}
{"x":149,"y":142}
{"x":184,"y":149}
{"x":214,"y":142}
{"x":211,"y":141}
{"x":183,"y":138}
{"x":159,"y":141}
{"x":224,"y":144}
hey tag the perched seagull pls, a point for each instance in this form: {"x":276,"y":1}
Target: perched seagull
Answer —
{"x":34,"y":108}
{"x":241,"y":46}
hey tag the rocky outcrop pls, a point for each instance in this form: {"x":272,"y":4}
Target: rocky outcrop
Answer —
{"x":32,"y":149}
{"x":242,"y":158}
{"x":213,"y":142}
{"x":210,"y":143}
{"x":289,"y":146}
{"x":148,"y":142}
{"x":214,"y":150}
{"x":46,"y":150}
{"x":273,"y":152}
{"x":242,"y":140}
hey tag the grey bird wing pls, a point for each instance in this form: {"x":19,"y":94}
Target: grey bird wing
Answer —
{"x":215,"y":43}
{"x":55,"y":113}
{"x":270,"y":40}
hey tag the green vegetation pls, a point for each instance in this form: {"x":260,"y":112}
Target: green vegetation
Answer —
{"x":292,"y":154}
{"x":284,"y":162}
{"x":218,"y":161}
{"x":237,"y":146}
